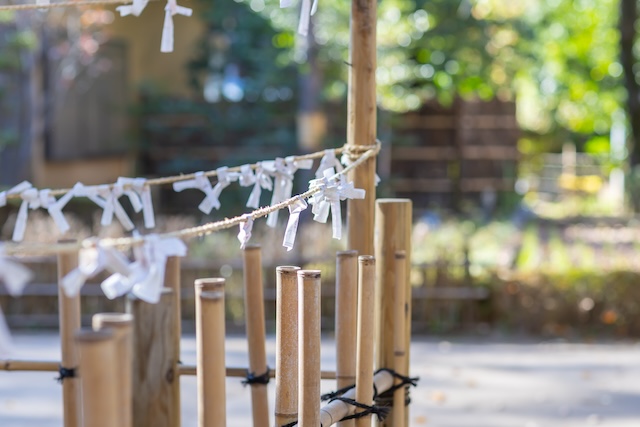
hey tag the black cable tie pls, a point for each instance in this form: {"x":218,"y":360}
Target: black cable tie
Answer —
{"x":65,"y":373}
{"x":291,"y":424}
{"x":379,"y":411}
{"x":334,"y":394}
{"x":253,"y":379}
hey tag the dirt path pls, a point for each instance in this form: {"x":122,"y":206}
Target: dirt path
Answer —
{"x":463,"y":384}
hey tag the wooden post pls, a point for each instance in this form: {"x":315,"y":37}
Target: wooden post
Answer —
{"x":346,"y":320}
{"x":254,"y":315}
{"x":364,"y":352}
{"x":309,"y":348}
{"x":121,"y":324}
{"x":172,"y":281}
{"x":393,"y":233}
{"x":69,"y":315}
{"x":286,"y":410}
{"x":399,"y":344}
{"x":210,"y":336}
{"x":99,"y":378}
{"x":154,"y":361}
{"x":361,"y":120}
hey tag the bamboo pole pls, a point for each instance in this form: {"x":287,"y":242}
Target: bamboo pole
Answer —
{"x":346,"y":320}
{"x":361,"y":120}
{"x":364,"y":351}
{"x":153,"y":360}
{"x":393,"y":233}
{"x":172,"y":281}
{"x":210,"y":336}
{"x":121,"y":324}
{"x":309,"y":348}
{"x":336,"y":410}
{"x":29,"y":365}
{"x":99,"y":378}
{"x":255,"y":324}
{"x":286,"y":405}
{"x":69,"y":315}
{"x":399,"y":345}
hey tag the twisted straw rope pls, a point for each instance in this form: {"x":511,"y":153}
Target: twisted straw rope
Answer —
{"x":62,"y":4}
{"x":123,"y":243}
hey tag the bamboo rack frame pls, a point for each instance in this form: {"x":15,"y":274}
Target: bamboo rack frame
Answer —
{"x":308,"y":348}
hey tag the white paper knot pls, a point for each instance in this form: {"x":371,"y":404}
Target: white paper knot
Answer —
{"x":261,"y":180}
{"x":134,"y":9}
{"x":245,"y":230}
{"x":139,"y":194}
{"x":202,"y":183}
{"x":332,"y":192}
{"x":15,"y":277}
{"x":247,"y":177}
{"x":145,"y":277}
{"x":113,"y":207}
{"x":92,"y":260}
{"x":328,"y":160}
{"x":283,"y":171}
{"x":292,"y":225}
{"x":171,"y":9}
{"x":24,"y":185}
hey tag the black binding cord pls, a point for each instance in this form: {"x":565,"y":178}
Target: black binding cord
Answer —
{"x":65,"y":373}
{"x":253,"y":379}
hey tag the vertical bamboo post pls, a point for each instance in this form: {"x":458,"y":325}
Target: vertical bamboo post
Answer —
{"x":393,"y":233}
{"x":172,"y":281}
{"x":361,"y":120}
{"x":121,"y":324}
{"x":399,"y":344}
{"x":210,"y":335}
{"x":254,"y":315}
{"x":364,"y":351}
{"x":99,"y":378}
{"x":154,"y":361}
{"x":309,"y":348}
{"x":286,"y":406}
{"x":346,"y":320}
{"x":69,"y":315}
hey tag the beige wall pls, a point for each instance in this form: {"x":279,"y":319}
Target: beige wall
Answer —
{"x":64,"y":174}
{"x":142,"y":35}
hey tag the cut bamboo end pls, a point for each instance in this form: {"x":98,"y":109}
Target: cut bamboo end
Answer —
{"x":367,"y":260}
{"x":210,"y":283}
{"x":309,"y":274}
{"x":287,"y":270}
{"x":252,"y":247}
{"x":347,"y":254}
{"x":111,"y":320}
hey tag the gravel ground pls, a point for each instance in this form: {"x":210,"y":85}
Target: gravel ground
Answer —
{"x":464,"y":383}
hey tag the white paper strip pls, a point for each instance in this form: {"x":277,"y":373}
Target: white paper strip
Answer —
{"x":6,"y":347}
{"x":262,"y":181}
{"x":292,"y":225}
{"x":305,"y":17}
{"x":140,"y":195}
{"x":245,"y":230}
{"x":202,"y":183}
{"x":171,"y":9}
{"x":134,"y":9}
{"x":283,"y":171}
{"x":328,"y":160}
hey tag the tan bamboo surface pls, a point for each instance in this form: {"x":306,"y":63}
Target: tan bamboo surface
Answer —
{"x":286,"y":373}
{"x":308,"y":348}
{"x":235,"y":372}
{"x":399,"y":345}
{"x":255,"y":324}
{"x":69,"y":318}
{"x":172,"y":281}
{"x":361,"y":121}
{"x":335,"y":410}
{"x":210,"y":345}
{"x":393,"y":233}
{"x":364,"y":351}
{"x":122,"y":326}
{"x":153,"y":360}
{"x":98,"y":373}
{"x":29,"y":365}
{"x":346,"y":320}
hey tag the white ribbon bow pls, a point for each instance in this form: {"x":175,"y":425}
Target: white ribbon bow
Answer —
{"x":91,"y":261}
{"x":245,"y":230}
{"x":332,"y":192}
{"x":328,"y":160}
{"x":283,"y":171}
{"x":292,"y":225}
{"x":15,"y":277}
{"x":261,"y":180}
{"x":134,"y":9}
{"x":139,"y":194}
{"x":171,"y":9}
{"x":145,"y":278}
{"x":202,"y":183}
